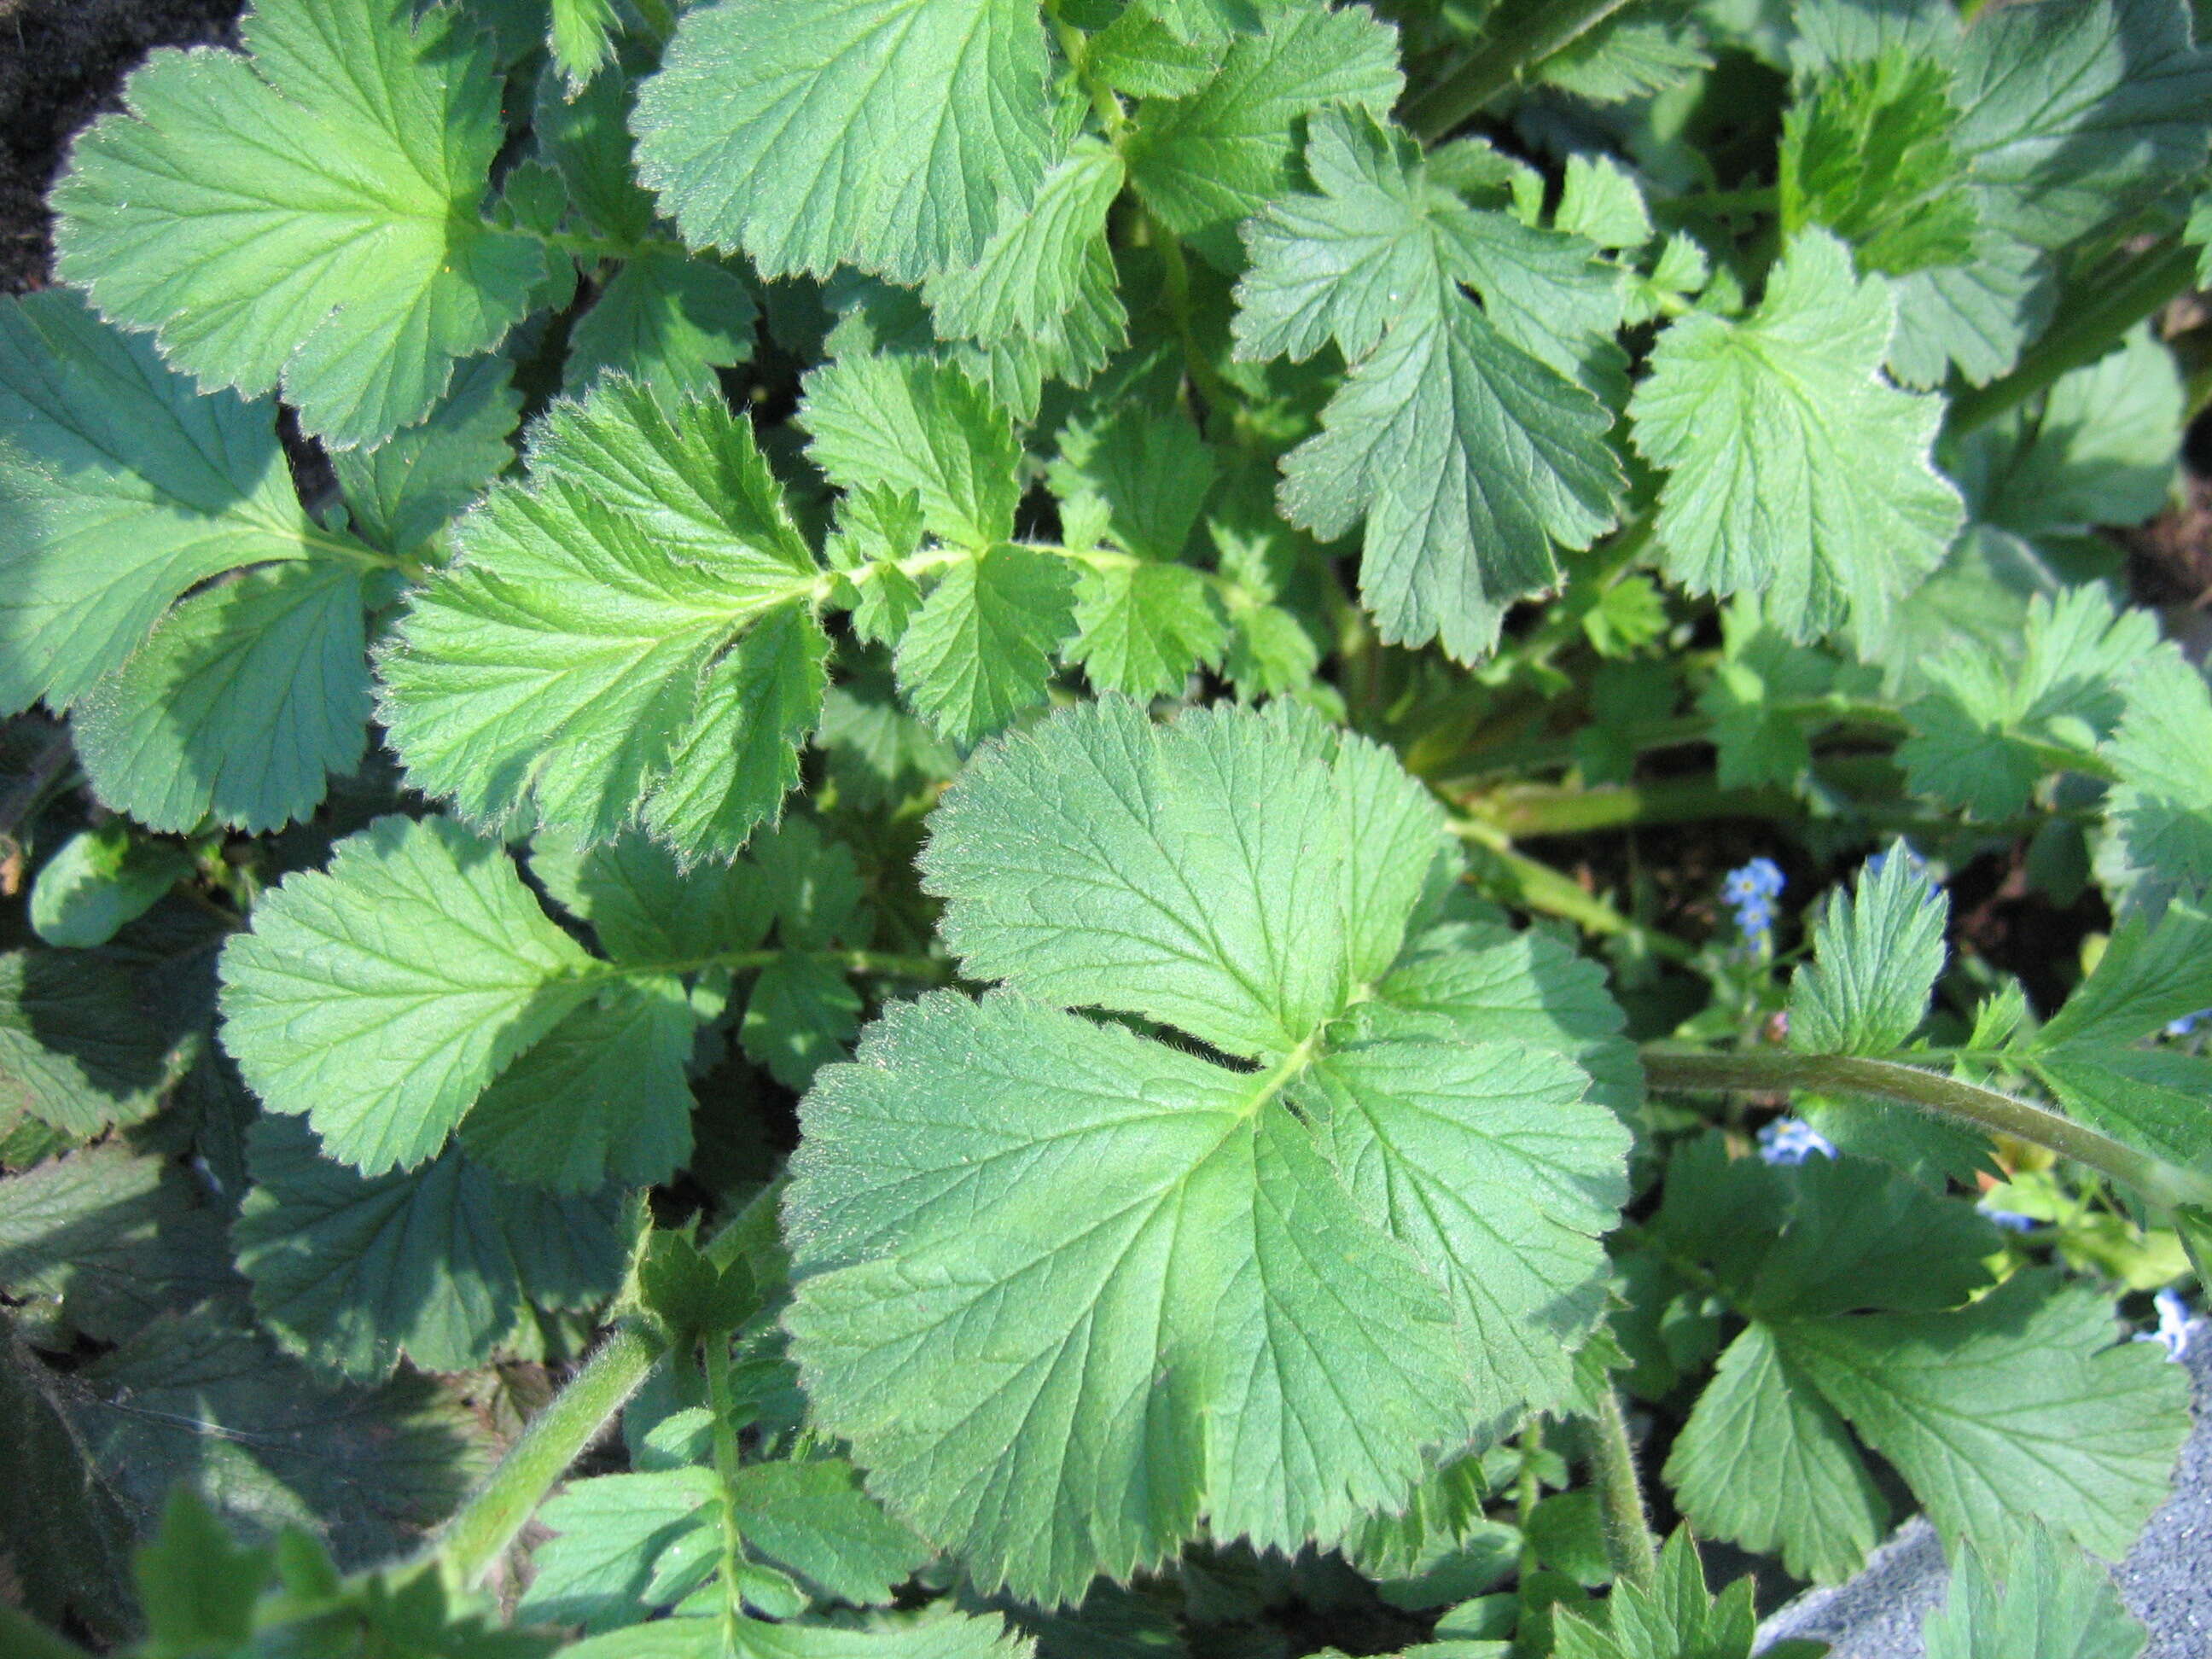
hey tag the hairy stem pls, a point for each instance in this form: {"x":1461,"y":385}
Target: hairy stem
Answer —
{"x":723,"y":1407}
{"x":1774,"y":1070}
{"x":478,"y":1534}
{"x":1544,"y":28}
{"x":2092,"y":315}
{"x":1629,"y":1543}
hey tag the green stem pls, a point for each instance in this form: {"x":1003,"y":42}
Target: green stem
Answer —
{"x":1544,"y":28}
{"x":722,"y":1405}
{"x":1515,"y":878}
{"x":1629,"y":1543}
{"x":481,"y":1530}
{"x":928,"y":970}
{"x":2092,"y":315}
{"x":1528,"y":1490}
{"x":1175,"y":270}
{"x":1757,"y":199}
{"x":1075,"y":46}
{"x":1775,"y":1070}
{"x":479,"y":1533}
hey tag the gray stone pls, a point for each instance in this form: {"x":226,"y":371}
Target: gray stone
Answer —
{"x":2166,"y":1579}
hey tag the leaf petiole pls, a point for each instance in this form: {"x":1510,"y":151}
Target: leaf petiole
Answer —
{"x":1775,"y":1070}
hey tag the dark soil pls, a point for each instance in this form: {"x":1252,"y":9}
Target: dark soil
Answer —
{"x":62,"y":63}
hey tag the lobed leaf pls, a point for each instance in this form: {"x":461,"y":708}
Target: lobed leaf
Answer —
{"x":628,"y":633}
{"x":306,"y":215}
{"x":1796,"y":472}
{"x":1191,"y":1273}
{"x":883,"y":134}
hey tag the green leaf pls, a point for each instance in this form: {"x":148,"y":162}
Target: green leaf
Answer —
{"x":1795,"y":471}
{"x":199,"y":1588}
{"x":801,"y":1013}
{"x":577,"y":658}
{"x":1858,"y":1236}
{"x":1876,"y":953}
{"x":2152,"y":969}
{"x":1627,"y":58}
{"x":68,"y":1538}
{"x":2161,"y":808}
{"x":667,"y":321}
{"x":1987,"y":734}
{"x":120,"y":490}
{"x":2152,"y":1098}
{"x":1868,"y":151}
{"x":1765,"y":1462}
{"x":2076,"y":115}
{"x":1978,"y":315}
{"x":100,"y":1242}
{"x":1047,"y":259}
{"x":2018,"y":1408}
{"x":935,"y":1633}
{"x":739,"y":758}
{"x":1757,"y":740}
{"x":608,"y":1532}
{"x":2101,"y":450}
{"x":2052,"y":1600}
{"x":307,"y":216}
{"x":902,"y":423}
{"x":980,"y":649}
{"x":1488,"y":1166}
{"x":601,"y":1099}
{"x":78,"y":1046}
{"x":1141,"y":478}
{"x":781,"y":127}
{"x":402,"y":491}
{"x":1483,"y":982}
{"x":585,"y":135}
{"x":352,"y":1271}
{"x":1204,"y":162}
{"x":813,"y":1519}
{"x":198,"y":1402}
{"x":99,"y":879}
{"x":1139,"y":54}
{"x":812,"y":885}
{"x":382,"y":998}
{"x":1104,"y":864}
{"x":249,"y":696}
{"x":1142,"y":628}
{"x":125,"y":490}
{"x":1186,"y":1266}
{"x":1599,"y":203}
{"x":580,"y":36}
{"x":1672,"y":1618}
{"x":646,"y":908}
{"x":1459,"y":434}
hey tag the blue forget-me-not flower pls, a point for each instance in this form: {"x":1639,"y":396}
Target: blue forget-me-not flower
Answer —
{"x":1792,"y":1140}
{"x":1751,"y":892}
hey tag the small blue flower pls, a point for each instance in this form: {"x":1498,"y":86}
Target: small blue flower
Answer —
{"x":1792,"y":1140}
{"x":2172,"y":1332}
{"x":1751,"y":892}
{"x":2187,"y":1024}
{"x":2011,"y":1220}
